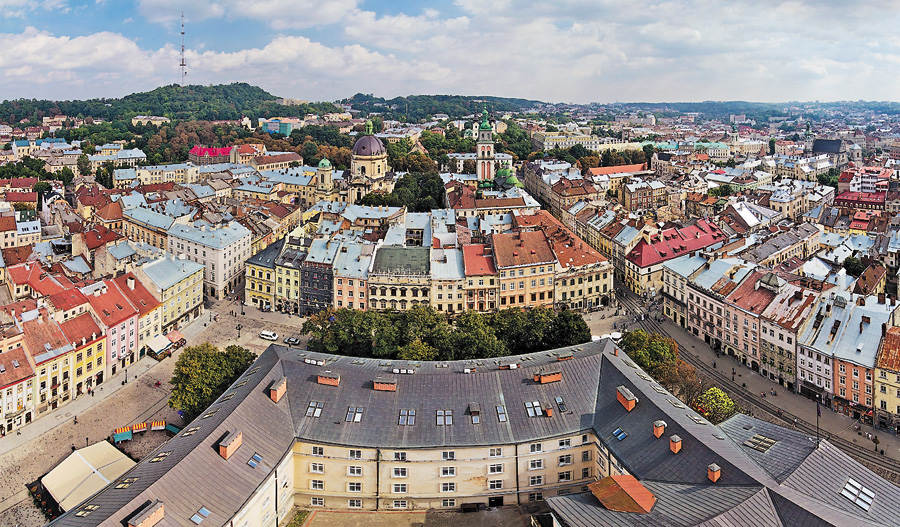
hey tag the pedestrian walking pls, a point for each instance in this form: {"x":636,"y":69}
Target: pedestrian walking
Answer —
{"x":795,"y":422}
{"x":76,"y":420}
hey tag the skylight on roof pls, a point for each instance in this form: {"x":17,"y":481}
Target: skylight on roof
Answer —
{"x":760,"y":443}
{"x":314,"y":409}
{"x":354,"y":414}
{"x":200,"y":516}
{"x":861,"y":496}
{"x":255,"y":459}
{"x":620,"y":434}
{"x":190,"y":431}
{"x":501,"y":414}
{"x":561,"y":404}
{"x":407,"y":417}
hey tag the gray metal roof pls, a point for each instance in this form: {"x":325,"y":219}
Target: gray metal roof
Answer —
{"x":747,"y":493}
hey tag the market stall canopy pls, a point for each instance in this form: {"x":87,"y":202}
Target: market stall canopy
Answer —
{"x":84,"y":473}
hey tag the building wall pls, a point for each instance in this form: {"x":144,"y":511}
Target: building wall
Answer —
{"x":853,"y":387}
{"x":259,"y":286}
{"x":527,"y":286}
{"x":584,"y":287}
{"x":480,"y":293}
{"x":398,"y":292}
{"x":887,"y":397}
{"x":350,"y":292}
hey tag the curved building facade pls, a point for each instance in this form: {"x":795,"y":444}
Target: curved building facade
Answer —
{"x":314,"y":430}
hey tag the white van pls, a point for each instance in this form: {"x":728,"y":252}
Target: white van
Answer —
{"x":268,"y":335}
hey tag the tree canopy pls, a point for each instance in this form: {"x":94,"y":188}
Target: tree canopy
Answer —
{"x":202,"y":373}
{"x":423,"y":333}
{"x":715,"y":405}
{"x":418,"y":192}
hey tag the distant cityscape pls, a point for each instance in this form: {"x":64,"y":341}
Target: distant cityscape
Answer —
{"x":770,"y":239}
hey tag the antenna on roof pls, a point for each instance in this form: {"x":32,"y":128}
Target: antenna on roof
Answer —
{"x":182,"y":64}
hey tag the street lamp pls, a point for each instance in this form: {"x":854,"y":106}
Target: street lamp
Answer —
{"x":238,"y":328}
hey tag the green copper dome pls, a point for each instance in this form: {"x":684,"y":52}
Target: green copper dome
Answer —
{"x":485,"y":124}
{"x":324,"y":163}
{"x":513,"y":181}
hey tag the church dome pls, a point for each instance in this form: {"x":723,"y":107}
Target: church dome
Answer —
{"x":324,"y":163}
{"x":368,"y":145}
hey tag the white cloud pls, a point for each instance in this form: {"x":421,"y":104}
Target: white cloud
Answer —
{"x":19,"y":8}
{"x":279,"y":14}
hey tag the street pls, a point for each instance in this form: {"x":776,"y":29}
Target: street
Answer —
{"x":45,"y":442}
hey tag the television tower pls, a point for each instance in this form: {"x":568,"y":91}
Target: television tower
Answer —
{"x":182,"y":64}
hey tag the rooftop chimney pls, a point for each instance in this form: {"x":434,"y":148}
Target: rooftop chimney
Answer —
{"x":148,"y":516}
{"x":714,"y":472}
{"x":385,"y":384}
{"x":130,"y":282}
{"x":329,"y":378}
{"x":230,"y":443}
{"x":277,"y":389}
{"x":659,"y":428}
{"x":624,"y":396}
{"x":544,"y":377}
{"x":675,"y":444}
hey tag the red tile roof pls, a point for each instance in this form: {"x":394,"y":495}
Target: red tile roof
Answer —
{"x":522,"y":248}
{"x":672,"y":243}
{"x":99,"y":236}
{"x":138,"y":296}
{"x":889,"y":354}
{"x":68,"y":299}
{"x":82,"y":327}
{"x":278,"y":158}
{"x":19,"y":307}
{"x":23,"y":182}
{"x":21,"y":197}
{"x":17,"y":255}
{"x":622,"y":169}
{"x":111,"y":306}
{"x":40,"y":332}
{"x":476,"y":263}
{"x":623,"y":494}
{"x":749,"y":297}
{"x":13,"y":374}
{"x":7,"y":223}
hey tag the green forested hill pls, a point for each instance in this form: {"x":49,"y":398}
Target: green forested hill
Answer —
{"x":415,"y":107}
{"x":192,"y":102}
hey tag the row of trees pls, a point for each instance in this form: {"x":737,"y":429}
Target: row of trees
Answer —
{"x":658,"y":356}
{"x":585,"y":159}
{"x":423,"y":333}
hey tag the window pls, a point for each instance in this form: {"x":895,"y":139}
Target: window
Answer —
{"x":536,"y":480}
{"x":314,"y":409}
{"x":87,"y":509}
{"x":448,"y":503}
{"x":496,"y":468}
{"x":318,"y":451}
{"x":448,"y":455}
{"x":356,"y":454}
{"x":200,"y":516}
{"x":399,"y":456}
{"x":501,"y":414}
{"x":354,"y":504}
{"x":565,"y":460}
{"x":861,"y":496}
{"x":495,"y":484}
{"x":448,"y":472}
{"x":399,"y":504}
{"x":565,"y":443}
{"x":533,"y":409}
{"x":586,"y":455}
{"x":400,"y":488}
{"x":354,"y":471}
{"x":125,"y":483}
{"x":535,"y":447}
{"x":561,"y":404}
{"x":496,"y":452}
{"x":535,"y":496}
{"x":354,"y":487}
{"x":407,"y":417}
{"x":400,"y":472}
{"x":444,"y":417}
{"x":354,"y":414}
{"x":317,"y":484}
{"x":448,"y":487}
{"x":159,"y":457}
{"x":317,"y":501}
{"x":585,"y":473}
{"x":535,"y":464}
{"x":317,"y":468}
{"x":565,"y":476}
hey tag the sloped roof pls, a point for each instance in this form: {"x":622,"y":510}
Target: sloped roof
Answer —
{"x":623,"y":493}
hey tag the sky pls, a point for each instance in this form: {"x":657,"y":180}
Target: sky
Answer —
{"x":576,"y":51}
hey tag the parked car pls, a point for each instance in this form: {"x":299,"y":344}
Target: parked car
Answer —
{"x":268,"y":335}
{"x":292,"y":341}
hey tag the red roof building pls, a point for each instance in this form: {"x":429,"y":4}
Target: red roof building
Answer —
{"x":643,"y":264}
{"x":117,"y":317}
{"x":201,"y":155}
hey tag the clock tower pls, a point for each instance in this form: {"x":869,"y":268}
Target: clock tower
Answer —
{"x":484,"y":148}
